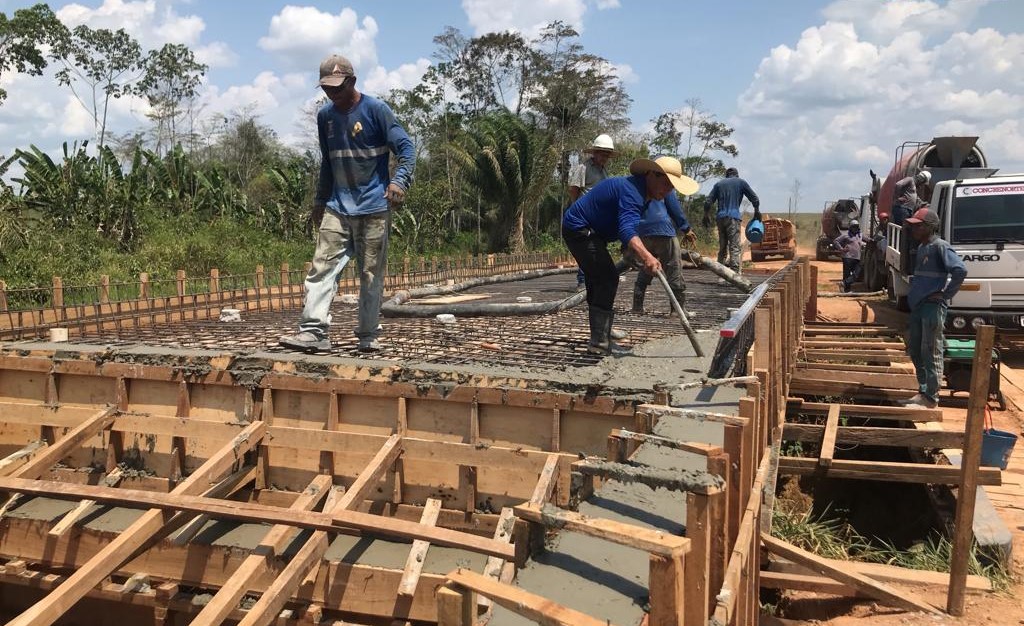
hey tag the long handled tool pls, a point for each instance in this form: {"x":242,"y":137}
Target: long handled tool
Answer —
{"x":682,"y":314}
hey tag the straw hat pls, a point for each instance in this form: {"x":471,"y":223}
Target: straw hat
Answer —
{"x":671,"y":167}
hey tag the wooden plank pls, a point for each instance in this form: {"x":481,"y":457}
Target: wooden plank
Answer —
{"x":828,"y":439}
{"x":877,"y":436}
{"x":648,"y":540}
{"x":814,"y":583}
{"x":847,"y":576}
{"x":667,"y":590}
{"x":693,"y":447}
{"x":69,"y":520}
{"x":19,"y":456}
{"x":848,"y":367}
{"x":865,"y":356}
{"x":335,"y":521}
{"x":822,"y":387}
{"x":546,"y":482}
{"x":455,"y":608}
{"x":698,"y":562}
{"x":418,"y":552}
{"x":864,"y":344}
{"x":963,"y":534}
{"x":658,"y":411}
{"x":520,"y":602}
{"x":276,"y":596}
{"x":938,"y":581}
{"x":888,"y":381}
{"x":799,"y":405}
{"x":51,"y":455}
{"x":886,"y":471}
{"x":732,"y":593}
{"x":272,"y":544}
{"x":92,"y":573}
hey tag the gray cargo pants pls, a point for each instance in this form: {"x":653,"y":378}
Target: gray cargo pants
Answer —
{"x":666,"y":250}
{"x":729,"y":253}
{"x":342,"y":238}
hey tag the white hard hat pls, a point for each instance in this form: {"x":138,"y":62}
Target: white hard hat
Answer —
{"x":924,"y":176}
{"x":603,"y":142}
{"x":854,"y":223}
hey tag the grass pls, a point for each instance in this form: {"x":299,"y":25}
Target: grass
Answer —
{"x":835,"y":539}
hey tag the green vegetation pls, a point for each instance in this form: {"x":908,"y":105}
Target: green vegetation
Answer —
{"x":497,"y":120}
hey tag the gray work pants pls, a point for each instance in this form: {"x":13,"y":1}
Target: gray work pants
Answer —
{"x":729,"y":253}
{"x":343,"y":238}
{"x":666,"y":250}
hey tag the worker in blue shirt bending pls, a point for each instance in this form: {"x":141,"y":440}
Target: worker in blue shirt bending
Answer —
{"x":355,"y":195}
{"x":729,"y":193}
{"x":610,"y":211}
{"x":938,"y":274}
{"x":658,"y":226}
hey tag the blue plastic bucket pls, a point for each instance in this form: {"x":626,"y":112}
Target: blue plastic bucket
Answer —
{"x":996,"y":446}
{"x":755,"y":231}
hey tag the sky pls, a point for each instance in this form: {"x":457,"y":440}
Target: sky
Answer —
{"x":817,"y":91}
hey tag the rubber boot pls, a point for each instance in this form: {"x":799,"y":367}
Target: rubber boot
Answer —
{"x":639,"y":291}
{"x":600,"y":331}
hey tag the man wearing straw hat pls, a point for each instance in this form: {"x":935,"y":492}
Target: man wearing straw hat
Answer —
{"x":612,"y":210}
{"x":590,"y":171}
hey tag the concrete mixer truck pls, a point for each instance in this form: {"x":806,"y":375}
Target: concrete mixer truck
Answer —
{"x":982,"y":217}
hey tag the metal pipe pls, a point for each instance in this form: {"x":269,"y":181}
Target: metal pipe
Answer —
{"x":682,"y":314}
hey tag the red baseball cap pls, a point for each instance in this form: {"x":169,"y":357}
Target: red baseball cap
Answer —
{"x":924,"y":216}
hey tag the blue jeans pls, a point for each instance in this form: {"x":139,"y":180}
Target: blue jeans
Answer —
{"x":924,"y":345}
{"x":340,"y":239}
{"x":851,"y":273}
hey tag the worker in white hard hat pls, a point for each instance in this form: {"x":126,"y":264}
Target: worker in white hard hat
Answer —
{"x":587,"y":173}
{"x":905,"y":195}
{"x":849,"y":245}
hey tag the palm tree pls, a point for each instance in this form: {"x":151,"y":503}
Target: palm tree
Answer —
{"x":509,"y":167}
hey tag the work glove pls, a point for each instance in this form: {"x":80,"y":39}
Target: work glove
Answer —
{"x":690,"y":237}
{"x":706,"y":221}
{"x":757,"y":215}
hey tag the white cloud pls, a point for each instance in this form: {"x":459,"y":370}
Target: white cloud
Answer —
{"x":302,"y":36}
{"x":603,"y":5}
{"x":380,"y":81}
{"x":871,"y":76}
{"x":624,"y":71}
{"x":525,"y":16}
{"x":153,"y":23}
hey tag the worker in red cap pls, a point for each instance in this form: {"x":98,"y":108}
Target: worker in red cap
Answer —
{"x":938,"y":274}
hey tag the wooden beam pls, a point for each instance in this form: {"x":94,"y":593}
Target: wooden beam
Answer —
{"x":902,"y":413}
{"x":335,"y":521}
{"x":695,"y":481}
{"x":51,"y":455}
{"x":902,"y":380}
{"x":693,"y":447}
{"x":648,"y":540}
{"x":19,"y":456}
{"x":828,"y":439}
{"x":455,"y":608}
{"x":866,"y":356}
{"x":814,"y":583}
{"x":523,"y":603}
{"x":659,"y":411}
{"x":92,"y":573}
{"x":546,"y":482}
{"x":276,"y":596}
{"x":886,"y":471}
{"x":847,"y":576}
{"x":877,"y":436}
{"x":732,"y":594}
{"x":667,"y":591}
{"x":69,"y":520}
{"x":891,"y":574}
{"x":822,"y":387}
{"x":273,"y":543}
{"x":963,"y":535}
{"x":418,"y":552}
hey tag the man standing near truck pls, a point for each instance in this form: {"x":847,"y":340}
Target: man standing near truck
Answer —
{"x":905,"y":195}
{"x":729,"y":193}
{"x":938,"y":274}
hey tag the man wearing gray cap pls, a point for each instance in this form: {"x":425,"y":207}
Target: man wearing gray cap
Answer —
{"x":938,"y":274}
{"x":355,"y":194}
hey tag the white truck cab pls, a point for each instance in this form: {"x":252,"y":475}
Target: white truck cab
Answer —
{"x":983,"y":220}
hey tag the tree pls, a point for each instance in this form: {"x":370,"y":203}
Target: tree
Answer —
{"x":510,"y":169}
{"x":696,"y":138}
{"x":23,"y":38}
{"x":794,"y":198}
{"x":170,"y":81}
{"x":104,"y":64}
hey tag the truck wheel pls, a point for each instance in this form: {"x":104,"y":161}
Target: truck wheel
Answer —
{"x":756,"y":258}
{"x":820,"y":253}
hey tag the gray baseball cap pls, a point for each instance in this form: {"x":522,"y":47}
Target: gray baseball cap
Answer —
{"x":334,"y":70}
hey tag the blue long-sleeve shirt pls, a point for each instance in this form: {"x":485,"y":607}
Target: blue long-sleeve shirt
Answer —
{"x":612,"y":208}
{"x":662,"y":218}
{"x":729,"y":193}
{"x":936,"y":263}
{"x":355,"y":148}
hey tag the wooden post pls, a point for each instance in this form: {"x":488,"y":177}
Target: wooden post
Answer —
{"x":179,"y":280}
{"x":143,"y":286}
{"x":58,"y":292}
{"x":3,"y":296}
{"x":720,"y":526}
{"x":261,"y":279}
{"x":214,"y":281}
{"x":455,"y":608}
{"x":811,"y":307}
{"x":667,"y":589}
{"x":284,"y":274}
{"x":963,"y":534}
{"x":698,"y":562}
{"x":104,"y":289}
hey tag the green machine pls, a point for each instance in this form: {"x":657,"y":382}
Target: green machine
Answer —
{"x":958,"y":357}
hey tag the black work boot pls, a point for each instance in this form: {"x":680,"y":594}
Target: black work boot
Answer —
{"x":639,"y":291}
{"x":600,"y":331}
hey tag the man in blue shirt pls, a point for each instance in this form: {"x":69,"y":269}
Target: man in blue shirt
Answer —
{"x":610,"y":211}
{"x":354,"y":195}
{"x":657,"y":229}
{"x":729,"y":193}
{"x":930,"y":293}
